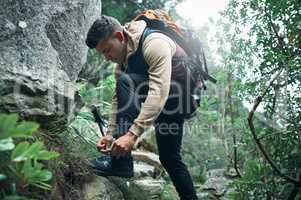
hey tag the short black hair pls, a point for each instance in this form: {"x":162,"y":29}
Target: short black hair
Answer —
{"x":102,"y":28}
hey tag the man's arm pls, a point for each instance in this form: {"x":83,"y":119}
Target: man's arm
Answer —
{"x":158,"y":50}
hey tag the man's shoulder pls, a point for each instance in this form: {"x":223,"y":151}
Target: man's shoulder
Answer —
{"x":135,"y":27}
{"x":158,"y":39}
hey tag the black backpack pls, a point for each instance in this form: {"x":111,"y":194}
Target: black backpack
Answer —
{"x":187,"y":39}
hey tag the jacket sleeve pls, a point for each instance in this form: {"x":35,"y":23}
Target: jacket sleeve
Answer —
{"x":158,"y":50}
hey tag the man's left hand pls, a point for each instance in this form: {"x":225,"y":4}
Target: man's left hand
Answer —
{"x":123,"y":145}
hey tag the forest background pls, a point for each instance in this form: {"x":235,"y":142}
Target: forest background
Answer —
{"x":250,"y":121}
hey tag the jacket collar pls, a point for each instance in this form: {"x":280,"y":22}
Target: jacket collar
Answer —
{"x":133,"y":31}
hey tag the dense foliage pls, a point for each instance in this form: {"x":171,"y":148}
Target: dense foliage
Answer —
{"x":260,"y":42}
{"x":21,"y":166}
{"x":256,"y":41}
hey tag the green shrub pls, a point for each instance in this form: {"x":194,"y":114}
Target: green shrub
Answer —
{"x":21,"y":165}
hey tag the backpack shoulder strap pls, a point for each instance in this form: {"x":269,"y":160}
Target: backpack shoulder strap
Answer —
{"x":160,"y":26}
{"x":147,"y":31}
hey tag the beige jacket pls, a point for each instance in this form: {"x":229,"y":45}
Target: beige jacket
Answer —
{"x":158,"y":51}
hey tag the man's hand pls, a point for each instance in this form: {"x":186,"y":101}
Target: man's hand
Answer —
{"x":123,"y":145}
{"x":103,"y":145}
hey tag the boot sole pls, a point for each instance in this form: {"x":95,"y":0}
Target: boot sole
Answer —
{"x":106,"y":174}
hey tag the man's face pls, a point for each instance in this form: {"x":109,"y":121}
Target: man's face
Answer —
{"x":113,"y":49}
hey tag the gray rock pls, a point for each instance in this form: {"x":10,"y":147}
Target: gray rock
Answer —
{"x":42,"y":50}
{"x":143,"y":170}
{"x":101,"y":189}
{"x":147,"y":157}
{"x":150,"y":159}
{"x":152,"y":186}
{"x":216,"y":185}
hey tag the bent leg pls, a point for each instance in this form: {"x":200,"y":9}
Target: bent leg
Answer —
{"x":131,"y":90}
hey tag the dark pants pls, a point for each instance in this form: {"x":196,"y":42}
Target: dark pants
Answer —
{"x":131,"y":91}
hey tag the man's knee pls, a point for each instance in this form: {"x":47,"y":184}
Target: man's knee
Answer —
{"x":124,"y":79}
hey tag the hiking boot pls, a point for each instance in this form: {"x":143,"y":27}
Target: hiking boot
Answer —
{"x":108,"y":166}
{"x":102,"y":163}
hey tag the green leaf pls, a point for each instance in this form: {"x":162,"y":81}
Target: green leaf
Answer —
{"x":47,"y":155}
{"x":34,"y":174}
{"x":24,"y":151}
{"x":2,"y":177}
{"x":34,"y":149}
{"x":44,"y":175}
{"x":27,"y":152}
{"x":19,"y":152}
{"x":42,"y":185}
{"x":25,"y":129}
{"x":28,"y":170}
{"x":7,"y":124}
{"x":6,"y":144}
{"x":9,"y":127}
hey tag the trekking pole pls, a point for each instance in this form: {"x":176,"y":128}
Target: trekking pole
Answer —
{"x":98,"y":119}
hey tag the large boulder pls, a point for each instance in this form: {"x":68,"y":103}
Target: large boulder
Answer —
{"x":42,"y":50}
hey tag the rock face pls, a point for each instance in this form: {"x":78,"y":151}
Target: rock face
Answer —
{"x":42,"y":50}
{"x":101,"y":189}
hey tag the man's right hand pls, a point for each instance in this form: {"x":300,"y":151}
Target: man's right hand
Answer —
{"x":103,"y":145}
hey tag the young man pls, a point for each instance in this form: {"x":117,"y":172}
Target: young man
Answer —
{"x":151,"y":72}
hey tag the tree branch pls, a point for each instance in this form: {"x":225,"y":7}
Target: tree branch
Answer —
{"x":258,"y":100}
{"x":232,"y":124}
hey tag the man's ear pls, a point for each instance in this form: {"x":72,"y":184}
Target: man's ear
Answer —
{"x":119,"y":35}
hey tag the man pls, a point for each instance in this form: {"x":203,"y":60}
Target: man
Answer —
{"x":152,"y":74}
